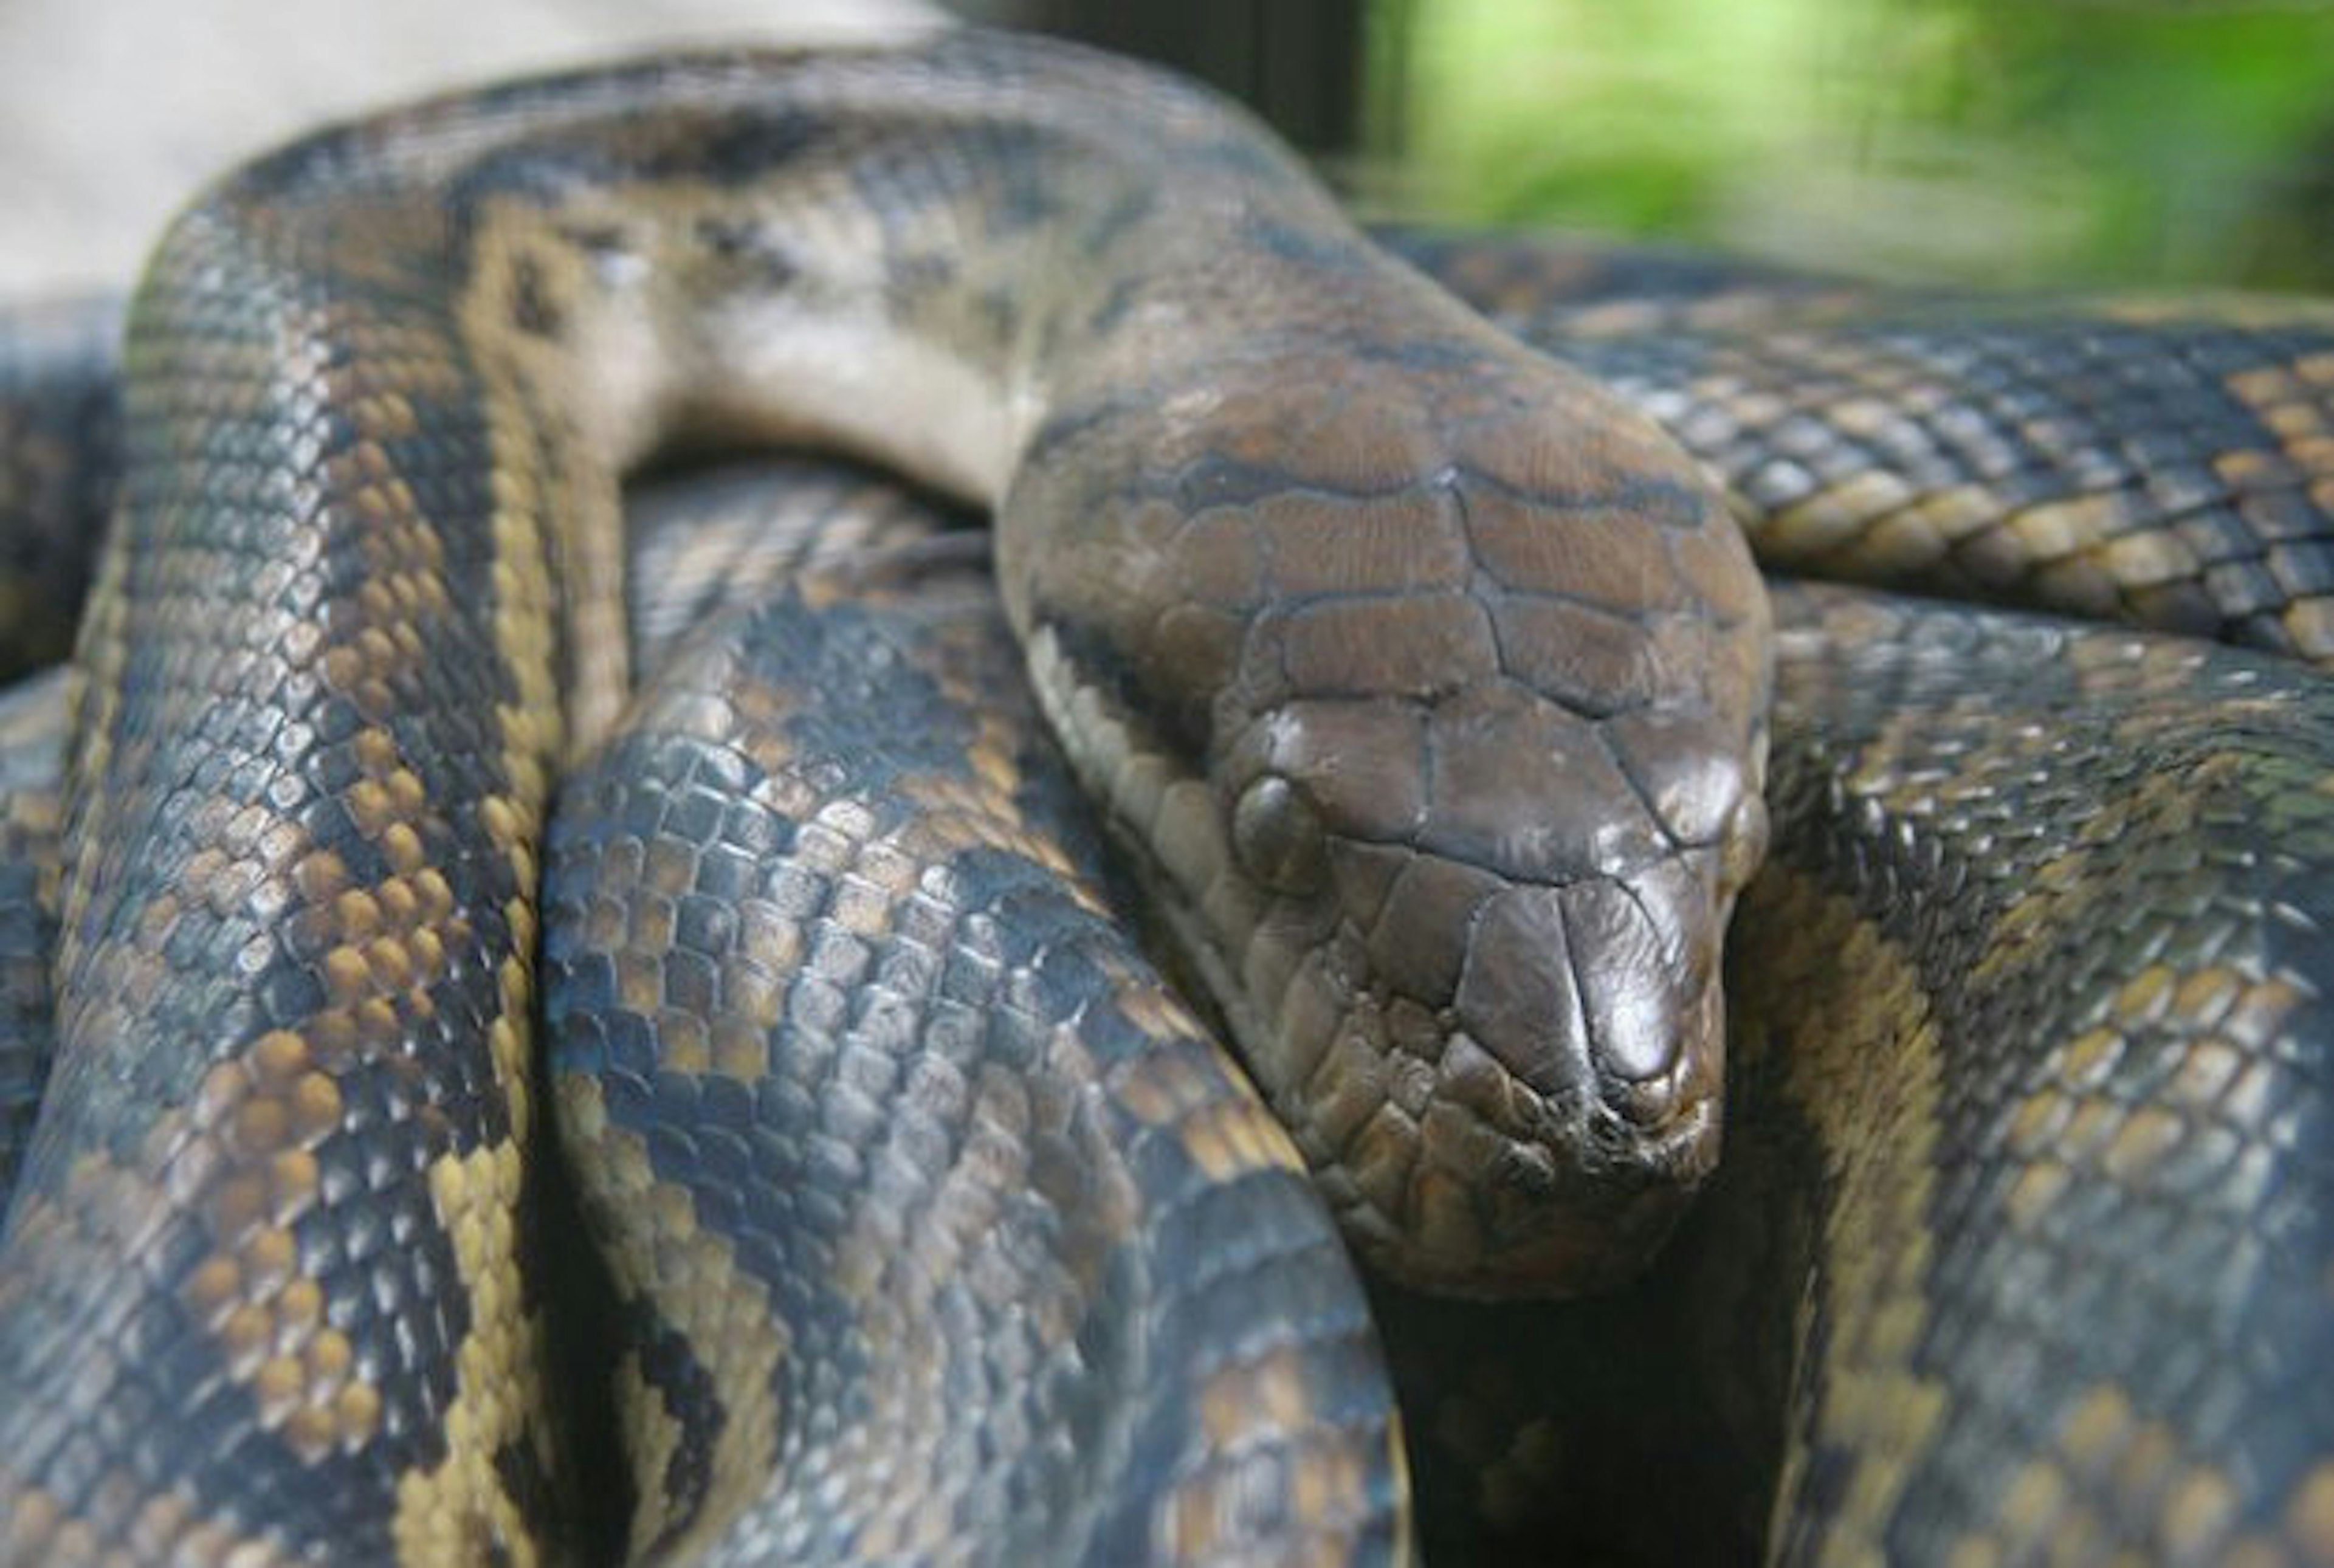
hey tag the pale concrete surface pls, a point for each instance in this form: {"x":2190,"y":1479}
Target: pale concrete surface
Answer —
{"x":113,"y":113}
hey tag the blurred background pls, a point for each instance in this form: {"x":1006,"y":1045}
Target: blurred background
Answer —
{"x":2018,"y":142}
{"x":2149,"y":143}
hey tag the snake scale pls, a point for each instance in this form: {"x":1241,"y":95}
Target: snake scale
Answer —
{"x":1445,"y":836}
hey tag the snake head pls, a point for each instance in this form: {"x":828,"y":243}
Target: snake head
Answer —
{"x":1491,"y":951}
{"x":1434,"y":707}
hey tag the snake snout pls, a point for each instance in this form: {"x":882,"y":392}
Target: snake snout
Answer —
{"x":1601,"y":997}
{"x":1599,"y":1000}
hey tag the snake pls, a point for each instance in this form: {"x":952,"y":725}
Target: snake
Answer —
{"x":1987,"y":1115}
{"x":1234,"y":440}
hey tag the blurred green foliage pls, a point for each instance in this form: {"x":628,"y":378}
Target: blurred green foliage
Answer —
{"x":2007,"y":141}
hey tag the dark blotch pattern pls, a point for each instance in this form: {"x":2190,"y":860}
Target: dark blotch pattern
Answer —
{"x":1026,"y":1263}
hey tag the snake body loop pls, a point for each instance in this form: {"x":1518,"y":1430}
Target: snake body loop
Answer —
{"x":991,"y":1256}
{"x":382,"y":383}
{"x":1429,"y":691}
{"x":2031,"y":1061}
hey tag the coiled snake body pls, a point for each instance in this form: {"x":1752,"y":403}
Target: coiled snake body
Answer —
{"x":1431,"y":682}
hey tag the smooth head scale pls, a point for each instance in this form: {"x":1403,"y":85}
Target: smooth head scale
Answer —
{"x":1434,"y":702}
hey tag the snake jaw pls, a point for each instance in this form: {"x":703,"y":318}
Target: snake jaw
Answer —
{"x":1545,"y":1230}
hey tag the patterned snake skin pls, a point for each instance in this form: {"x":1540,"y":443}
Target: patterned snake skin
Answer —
{"x":365,"y":416}
{"x":820,"y":972}
{"x":2017,"y":1251}
{"x":1982,"y":1083}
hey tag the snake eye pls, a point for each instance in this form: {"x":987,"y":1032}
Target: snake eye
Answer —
{"x":1277,"y":836}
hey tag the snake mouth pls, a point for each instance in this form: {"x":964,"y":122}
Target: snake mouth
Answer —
{"x":1575,"y":1093}
{"x":1536,"y":1239}
{"x":1513,"y":1193}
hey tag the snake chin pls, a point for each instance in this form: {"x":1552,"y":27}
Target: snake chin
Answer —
{"x":1551,"y":1236}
